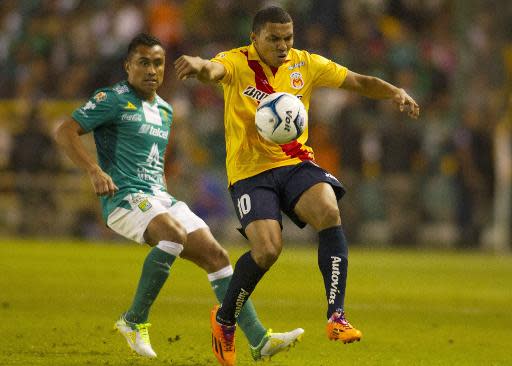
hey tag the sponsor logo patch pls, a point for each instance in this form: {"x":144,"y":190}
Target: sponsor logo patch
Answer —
{"x":89,"y":105}
{"x":132,"y":117}
{"x":144,"y":129}
{"x":335,"y":277}
{"x":121,"y":89}
{"x":329,"y":175}
{"x":302,"y":63}
{"x":240,"y":301}
{"x":252,"y":92}
{"x":153,"y":131}
{"x":130,"y":106}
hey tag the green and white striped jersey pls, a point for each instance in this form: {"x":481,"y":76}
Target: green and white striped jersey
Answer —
{"x":131,"y":136}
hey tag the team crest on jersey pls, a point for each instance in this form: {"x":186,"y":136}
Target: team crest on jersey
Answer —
{"x":100,"y":97}
{"x":144,"y":205}
{"x":296,"y":80}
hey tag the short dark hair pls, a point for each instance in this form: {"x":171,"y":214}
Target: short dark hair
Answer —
{"x":142,"y":39}
{"x":272,"y":14}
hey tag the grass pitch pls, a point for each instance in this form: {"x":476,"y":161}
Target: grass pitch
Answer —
{"x":58,"y":304}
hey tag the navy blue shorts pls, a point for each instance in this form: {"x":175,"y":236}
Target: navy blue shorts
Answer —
{"x":265,"y":195}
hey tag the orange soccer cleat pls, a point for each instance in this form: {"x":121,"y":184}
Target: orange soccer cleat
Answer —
{"x":223,"y":340}
{"x":338,"y":328}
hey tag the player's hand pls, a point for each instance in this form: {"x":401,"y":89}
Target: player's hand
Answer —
{"x":406,"y":103}
{"x":102,"y":183}
{"x":188,"y":66}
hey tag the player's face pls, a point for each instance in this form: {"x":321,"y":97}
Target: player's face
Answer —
{"x":145,"y":69}
{"x":273,"y":42}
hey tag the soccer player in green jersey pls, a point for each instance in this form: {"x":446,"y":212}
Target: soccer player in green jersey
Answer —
{"x":131,"y":126}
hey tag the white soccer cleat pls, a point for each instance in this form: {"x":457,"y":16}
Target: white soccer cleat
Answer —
{"x":138,"y":338}
{"x":273,"y":343}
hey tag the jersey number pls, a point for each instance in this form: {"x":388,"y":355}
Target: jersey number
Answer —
{"x":244,"y":205}
{"x":154,"y":156}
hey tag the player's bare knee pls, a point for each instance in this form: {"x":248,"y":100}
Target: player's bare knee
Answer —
{"x":164,"y":227}
{"x":178,"y":233}
{"x":267,"y":255}
{"x":329,"y":217}
{"x":223,"y":255}
{"x":210,"y":256}
{"x":217,"y":259}
{"x":175,"y":232}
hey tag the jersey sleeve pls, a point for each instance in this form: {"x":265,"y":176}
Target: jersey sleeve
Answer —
{"x":227,"y":60}
{"x":99,"y":110}
{"x":326,"y":72}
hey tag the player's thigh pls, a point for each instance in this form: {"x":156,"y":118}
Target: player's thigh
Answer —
{"x":310,"y":194}
{"x":318,"y":207}
{"x":184,"y":215}
{"x":179,"y":223}
{"x":165,"y":227}
{"x":175,"y":225}
{"x":258,"y":207}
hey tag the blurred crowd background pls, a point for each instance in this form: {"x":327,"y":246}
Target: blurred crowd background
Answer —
{"x":443,"y":180}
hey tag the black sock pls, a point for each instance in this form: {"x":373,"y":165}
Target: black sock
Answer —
{"x":246,"y":276}
{"x":333,"y":263}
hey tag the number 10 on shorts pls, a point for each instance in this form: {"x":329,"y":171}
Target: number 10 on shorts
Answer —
{"x":244,"y":205}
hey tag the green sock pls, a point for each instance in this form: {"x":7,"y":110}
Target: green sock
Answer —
{"x":247,"y":319}
{"x":154,"y":274}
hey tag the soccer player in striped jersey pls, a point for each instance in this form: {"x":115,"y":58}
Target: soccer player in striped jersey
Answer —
{"x":131,"y":126}
{"x":265,"y":178}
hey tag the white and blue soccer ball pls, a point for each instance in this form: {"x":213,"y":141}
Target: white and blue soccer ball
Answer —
{"x":281,"y":118}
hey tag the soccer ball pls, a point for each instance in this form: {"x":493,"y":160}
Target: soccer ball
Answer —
{"x":281,"y":118}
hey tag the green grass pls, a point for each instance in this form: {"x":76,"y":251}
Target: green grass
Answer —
{"x":58,"y":303}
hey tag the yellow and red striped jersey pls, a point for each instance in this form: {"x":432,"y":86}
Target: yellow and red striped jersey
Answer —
{"x":248,"y":80}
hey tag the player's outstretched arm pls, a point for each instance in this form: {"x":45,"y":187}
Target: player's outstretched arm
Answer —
{"x":197,"y":67}
{"x":375,"y":88}
{"x":67,"y":137}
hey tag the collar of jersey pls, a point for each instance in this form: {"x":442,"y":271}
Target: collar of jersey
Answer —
{"x":253,"y":54}
{"x":132,"y":89}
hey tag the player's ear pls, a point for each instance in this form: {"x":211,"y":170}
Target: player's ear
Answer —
{"x":126,"y":65}
{"x":252,"y":37}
